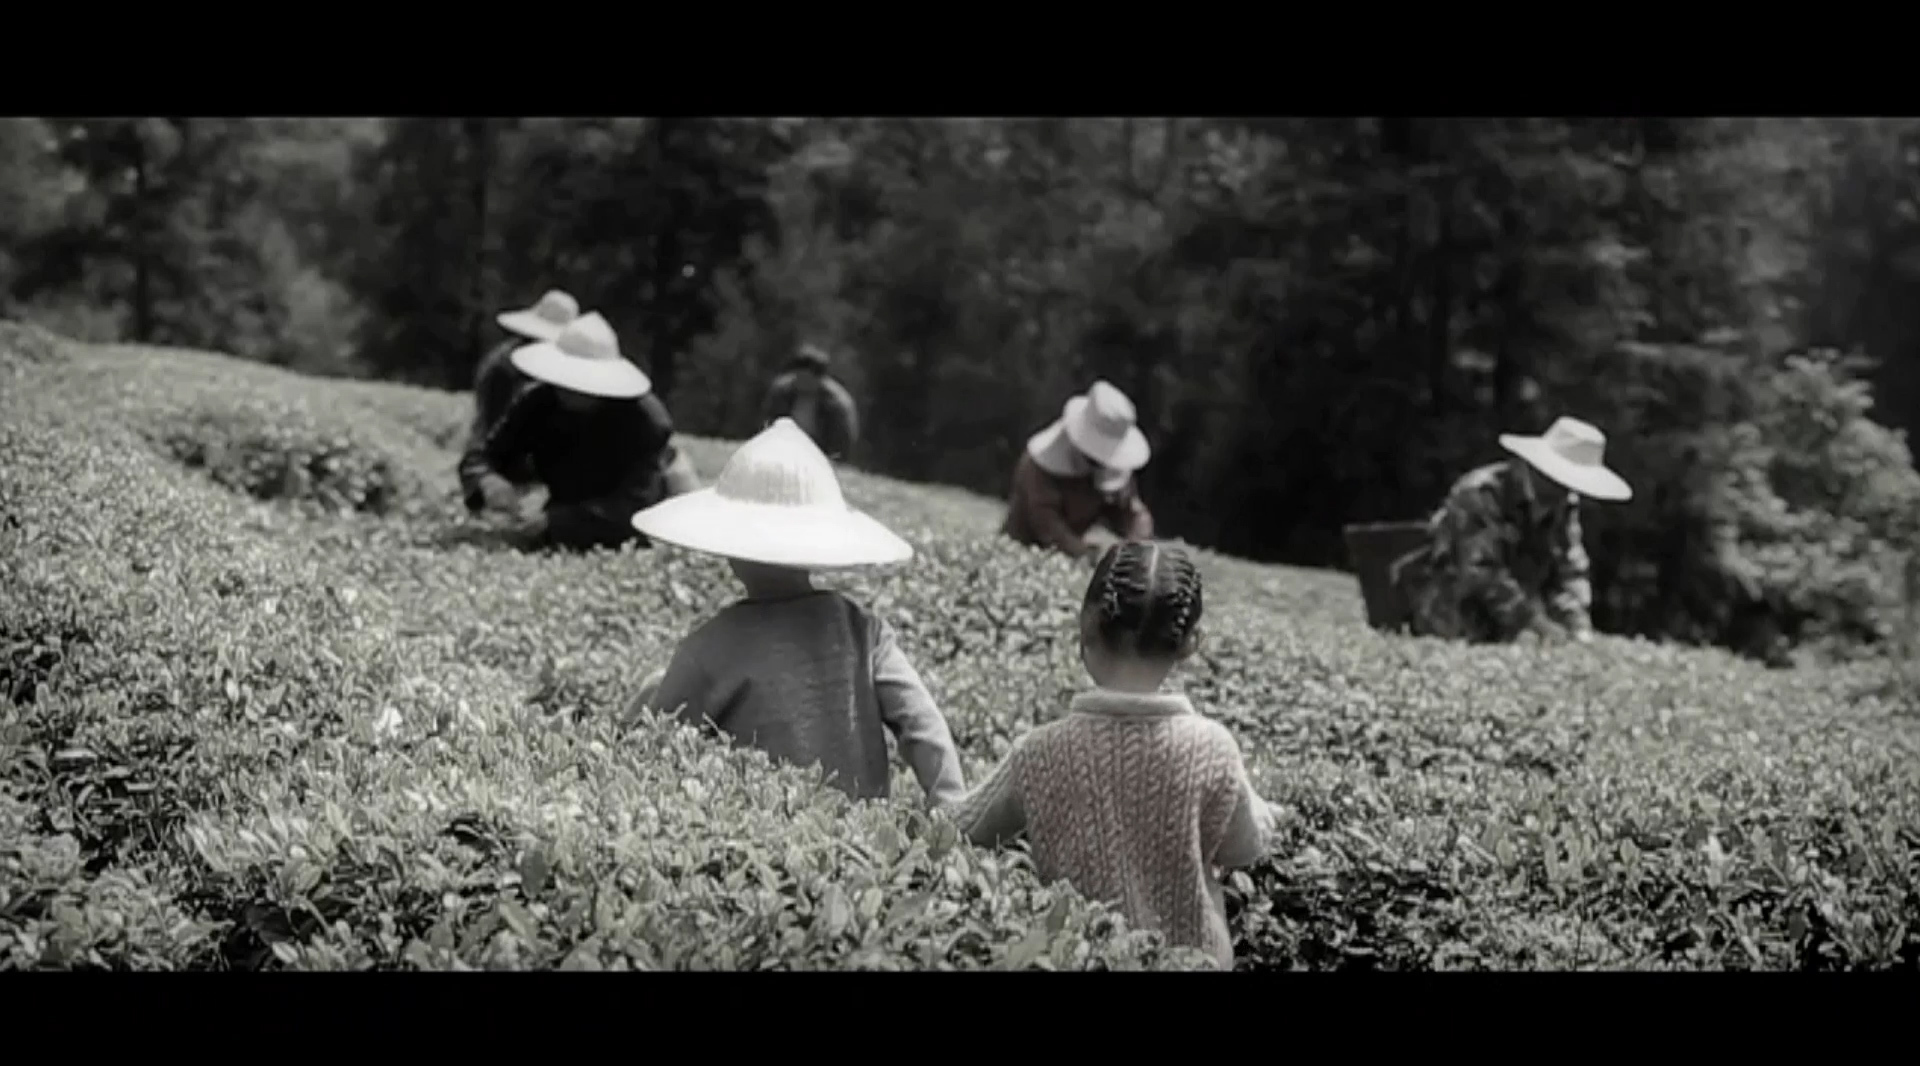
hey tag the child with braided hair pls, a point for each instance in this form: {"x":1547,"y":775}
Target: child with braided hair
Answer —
{"x":1133,"y":797}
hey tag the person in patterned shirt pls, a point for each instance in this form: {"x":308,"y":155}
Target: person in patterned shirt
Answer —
{"x":1504,"y":555}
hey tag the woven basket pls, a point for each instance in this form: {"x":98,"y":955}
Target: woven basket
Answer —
{"x":1373,"y":549}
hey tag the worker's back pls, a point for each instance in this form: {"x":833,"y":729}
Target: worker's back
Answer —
{"x":819,"y":405}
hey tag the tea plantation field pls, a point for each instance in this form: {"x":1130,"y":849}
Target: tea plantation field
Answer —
{"x":271,"y":701}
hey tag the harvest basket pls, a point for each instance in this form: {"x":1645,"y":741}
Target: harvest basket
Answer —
{"x":1373,"y":549}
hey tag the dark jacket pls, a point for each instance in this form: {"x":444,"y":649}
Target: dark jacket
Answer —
{"x":1056,"y":512}
{"x":495,"y":383}
{"x":819,"y":405}
{"x":599,"y":466}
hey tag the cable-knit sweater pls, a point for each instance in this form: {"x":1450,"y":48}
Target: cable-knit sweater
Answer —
{"x":1134,"y":800}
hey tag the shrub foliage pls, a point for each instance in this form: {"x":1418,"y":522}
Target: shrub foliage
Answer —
{"x":254,"y":725}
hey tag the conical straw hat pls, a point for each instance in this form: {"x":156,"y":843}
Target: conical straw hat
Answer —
{"x":777,"y":502}
{"x":586,"y":358}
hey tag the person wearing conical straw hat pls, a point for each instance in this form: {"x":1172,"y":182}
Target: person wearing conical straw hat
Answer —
{"x":1504,"y":555}
{"x":590,"y":430}
{"x":805,"y":674}
{"x":811,"y":397}
{"x":496,"y":383}
{"x":1074,"y":486}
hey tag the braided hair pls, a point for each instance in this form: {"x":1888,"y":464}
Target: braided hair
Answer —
{"x":1145,"y":598}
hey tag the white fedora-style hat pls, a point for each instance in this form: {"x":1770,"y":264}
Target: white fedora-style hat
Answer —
{"x":585,"y":357}
{"x":777,"y":502}
{"x":544,"y":320}
{"x":1572,"y":453}
{"x":1100,"y":425}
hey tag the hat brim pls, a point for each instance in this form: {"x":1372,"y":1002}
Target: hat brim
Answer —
{"x":614,"y":379}
{"x":528,"y":325}
{"x":805,"y":538}
{"x":1130,"y":452}
{"x":1052,"y":451}
{"x":1595,"y":482}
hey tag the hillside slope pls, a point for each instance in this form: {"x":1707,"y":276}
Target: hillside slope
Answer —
{"x":273,"y":701}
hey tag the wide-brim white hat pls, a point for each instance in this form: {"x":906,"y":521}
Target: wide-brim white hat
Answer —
{"x":545,"y":319}
{"x":1058,"y":456}
{"x":777,"y":502}
{"x":1573,"y":454}
{"x":1101,"y":425}
{"x":584,"y":358}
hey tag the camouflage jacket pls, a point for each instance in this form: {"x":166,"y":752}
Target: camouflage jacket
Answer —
{"x":1499,"y":557}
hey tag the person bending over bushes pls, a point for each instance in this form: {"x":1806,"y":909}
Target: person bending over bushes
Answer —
{"x":1504,"y":553}
{"x":591,"y":430}
{"x":1075,"y":487}
{"x":496,"y":382}
{"x":820,"y":405}
{"x":1133,"y":797}
{"x":806,"y":675}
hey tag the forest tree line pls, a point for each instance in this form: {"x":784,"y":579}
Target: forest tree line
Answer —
{"x":1323,"y":321}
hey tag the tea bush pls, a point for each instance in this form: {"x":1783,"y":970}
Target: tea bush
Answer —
{"x":1771,"y":514}
{"x":23,"y":342}
{"x":261,"y":729}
